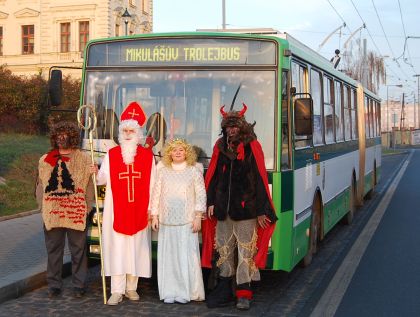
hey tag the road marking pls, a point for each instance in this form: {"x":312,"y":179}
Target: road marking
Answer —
{"x":330,"y":300}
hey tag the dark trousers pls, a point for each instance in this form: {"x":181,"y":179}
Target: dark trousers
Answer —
{"x":55,"y":242}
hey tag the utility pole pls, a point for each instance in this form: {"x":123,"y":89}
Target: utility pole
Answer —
{"x":387,"y":104}
{"x":418,"y":98}
{"x":223,"y":15}
{"x":402,"y":118}
{"x":414,"y":110}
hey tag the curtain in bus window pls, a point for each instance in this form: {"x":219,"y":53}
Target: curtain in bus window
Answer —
{"x":298,"y":78}
{"x":378,"y":118}
{"x":317,"y":104}
{"x":353,"y":114}
{"x":338,"y":112}
{"x":328,"y":110}
{"x":373,"y":116}
{"x":346,"y":108}
{"x":367,"y":125}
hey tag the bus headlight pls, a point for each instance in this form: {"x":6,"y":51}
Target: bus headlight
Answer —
{"x":94,"y":249}
{"x":95,"y":218}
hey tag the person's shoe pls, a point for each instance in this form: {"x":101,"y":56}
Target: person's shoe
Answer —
{"x":221,"y":295}
{"x":115,"y":299}
{"x":181,"y":300}
{"x":242,"y":303}
{"x":169,"y":300}
{"x":54,"y":292}
{"x":132,"y":295}
{"x":79,"y":292}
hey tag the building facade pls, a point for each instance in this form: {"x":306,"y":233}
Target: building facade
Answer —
{"x":38,"y":34}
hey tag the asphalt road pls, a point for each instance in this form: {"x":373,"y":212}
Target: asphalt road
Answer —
{"x":387,"y":280}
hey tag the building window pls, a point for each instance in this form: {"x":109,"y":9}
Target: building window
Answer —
{"x":144,"y":6}
{"x":83,"y":34}
{"x":1,"y":40}
{"x":28,"y":39}
{"x":65,"y":37}
{"x":117,"y":30}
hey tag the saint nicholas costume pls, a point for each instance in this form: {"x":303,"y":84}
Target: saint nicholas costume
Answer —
{"x":126,"y":234}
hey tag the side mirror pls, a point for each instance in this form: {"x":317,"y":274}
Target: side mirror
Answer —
{"x":55,"y":87}
{"x":303,"y":116}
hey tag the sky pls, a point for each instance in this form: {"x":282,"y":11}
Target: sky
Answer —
{"x":391,"y":28}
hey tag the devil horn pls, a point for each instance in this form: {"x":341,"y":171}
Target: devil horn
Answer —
{"x":244,"y":108}
{"x":223,"y":111}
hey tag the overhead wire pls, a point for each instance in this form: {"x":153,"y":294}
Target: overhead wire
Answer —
{"x":377,"y":48}
{"x":406,"y":37}
{"x":339,"y":15}
{"x":383,"y":30}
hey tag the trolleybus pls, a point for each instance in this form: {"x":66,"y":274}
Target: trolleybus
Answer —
{"x":319,"y":129}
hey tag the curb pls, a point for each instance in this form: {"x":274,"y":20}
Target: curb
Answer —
{"x":25,"y":285}
{"x":19,"y":215}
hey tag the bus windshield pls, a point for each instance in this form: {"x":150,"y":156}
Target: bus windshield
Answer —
{"x":184,"y":104}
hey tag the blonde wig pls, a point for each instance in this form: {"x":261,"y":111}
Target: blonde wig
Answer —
{"x":190,"y":155}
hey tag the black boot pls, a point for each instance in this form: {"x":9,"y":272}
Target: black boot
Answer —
{"x":222,"y":294}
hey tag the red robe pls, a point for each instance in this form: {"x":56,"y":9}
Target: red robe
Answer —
{"x":130,"y":185}
{"x":209,"y":225}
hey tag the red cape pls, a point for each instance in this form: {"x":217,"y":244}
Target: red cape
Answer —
{"x":209,"y":225}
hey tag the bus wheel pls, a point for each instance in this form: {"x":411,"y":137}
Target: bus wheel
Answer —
{"x":314,"y":232}
{"x":348,"y":218}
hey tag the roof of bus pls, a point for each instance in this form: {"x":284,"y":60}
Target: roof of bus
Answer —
{"x":297,"y":48}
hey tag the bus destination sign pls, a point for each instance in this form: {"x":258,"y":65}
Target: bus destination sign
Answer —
{"x":182,"y":51}
{"x":185,"y":54}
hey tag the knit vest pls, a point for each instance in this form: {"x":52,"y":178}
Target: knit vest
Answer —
{"x":64,"y":191}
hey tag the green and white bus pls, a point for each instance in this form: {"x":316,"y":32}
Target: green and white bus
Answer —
{"x":319,"y":129}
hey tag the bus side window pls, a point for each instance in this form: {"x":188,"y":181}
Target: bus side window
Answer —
{"x":328,"y":110}
{"x":300,"y":84}
{"x":285,"y":153}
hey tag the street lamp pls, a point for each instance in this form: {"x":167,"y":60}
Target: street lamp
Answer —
{"x":127,"y":17}
{"x":387,"y":104}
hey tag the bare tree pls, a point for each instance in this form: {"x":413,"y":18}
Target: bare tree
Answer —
{"x":365,"y":66}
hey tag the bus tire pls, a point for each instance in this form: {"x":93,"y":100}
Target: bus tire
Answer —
{"x":314,"y":232}
{"x":348,"y":218}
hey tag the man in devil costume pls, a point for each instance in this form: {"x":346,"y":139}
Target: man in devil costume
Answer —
{"x":238,"y":197}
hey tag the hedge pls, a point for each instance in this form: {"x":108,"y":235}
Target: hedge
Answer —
{"x":24,"y":103}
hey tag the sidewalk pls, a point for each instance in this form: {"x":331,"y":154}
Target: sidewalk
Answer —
{"x":23,"y":258}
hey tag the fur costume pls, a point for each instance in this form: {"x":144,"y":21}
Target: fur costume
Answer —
{"x":237,"y":184}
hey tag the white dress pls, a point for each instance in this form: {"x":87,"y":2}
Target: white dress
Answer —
{"x":179,"y":192}
{"x":123,"y":254}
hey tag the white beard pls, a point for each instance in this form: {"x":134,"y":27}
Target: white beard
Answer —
{"x":128,"y":150}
